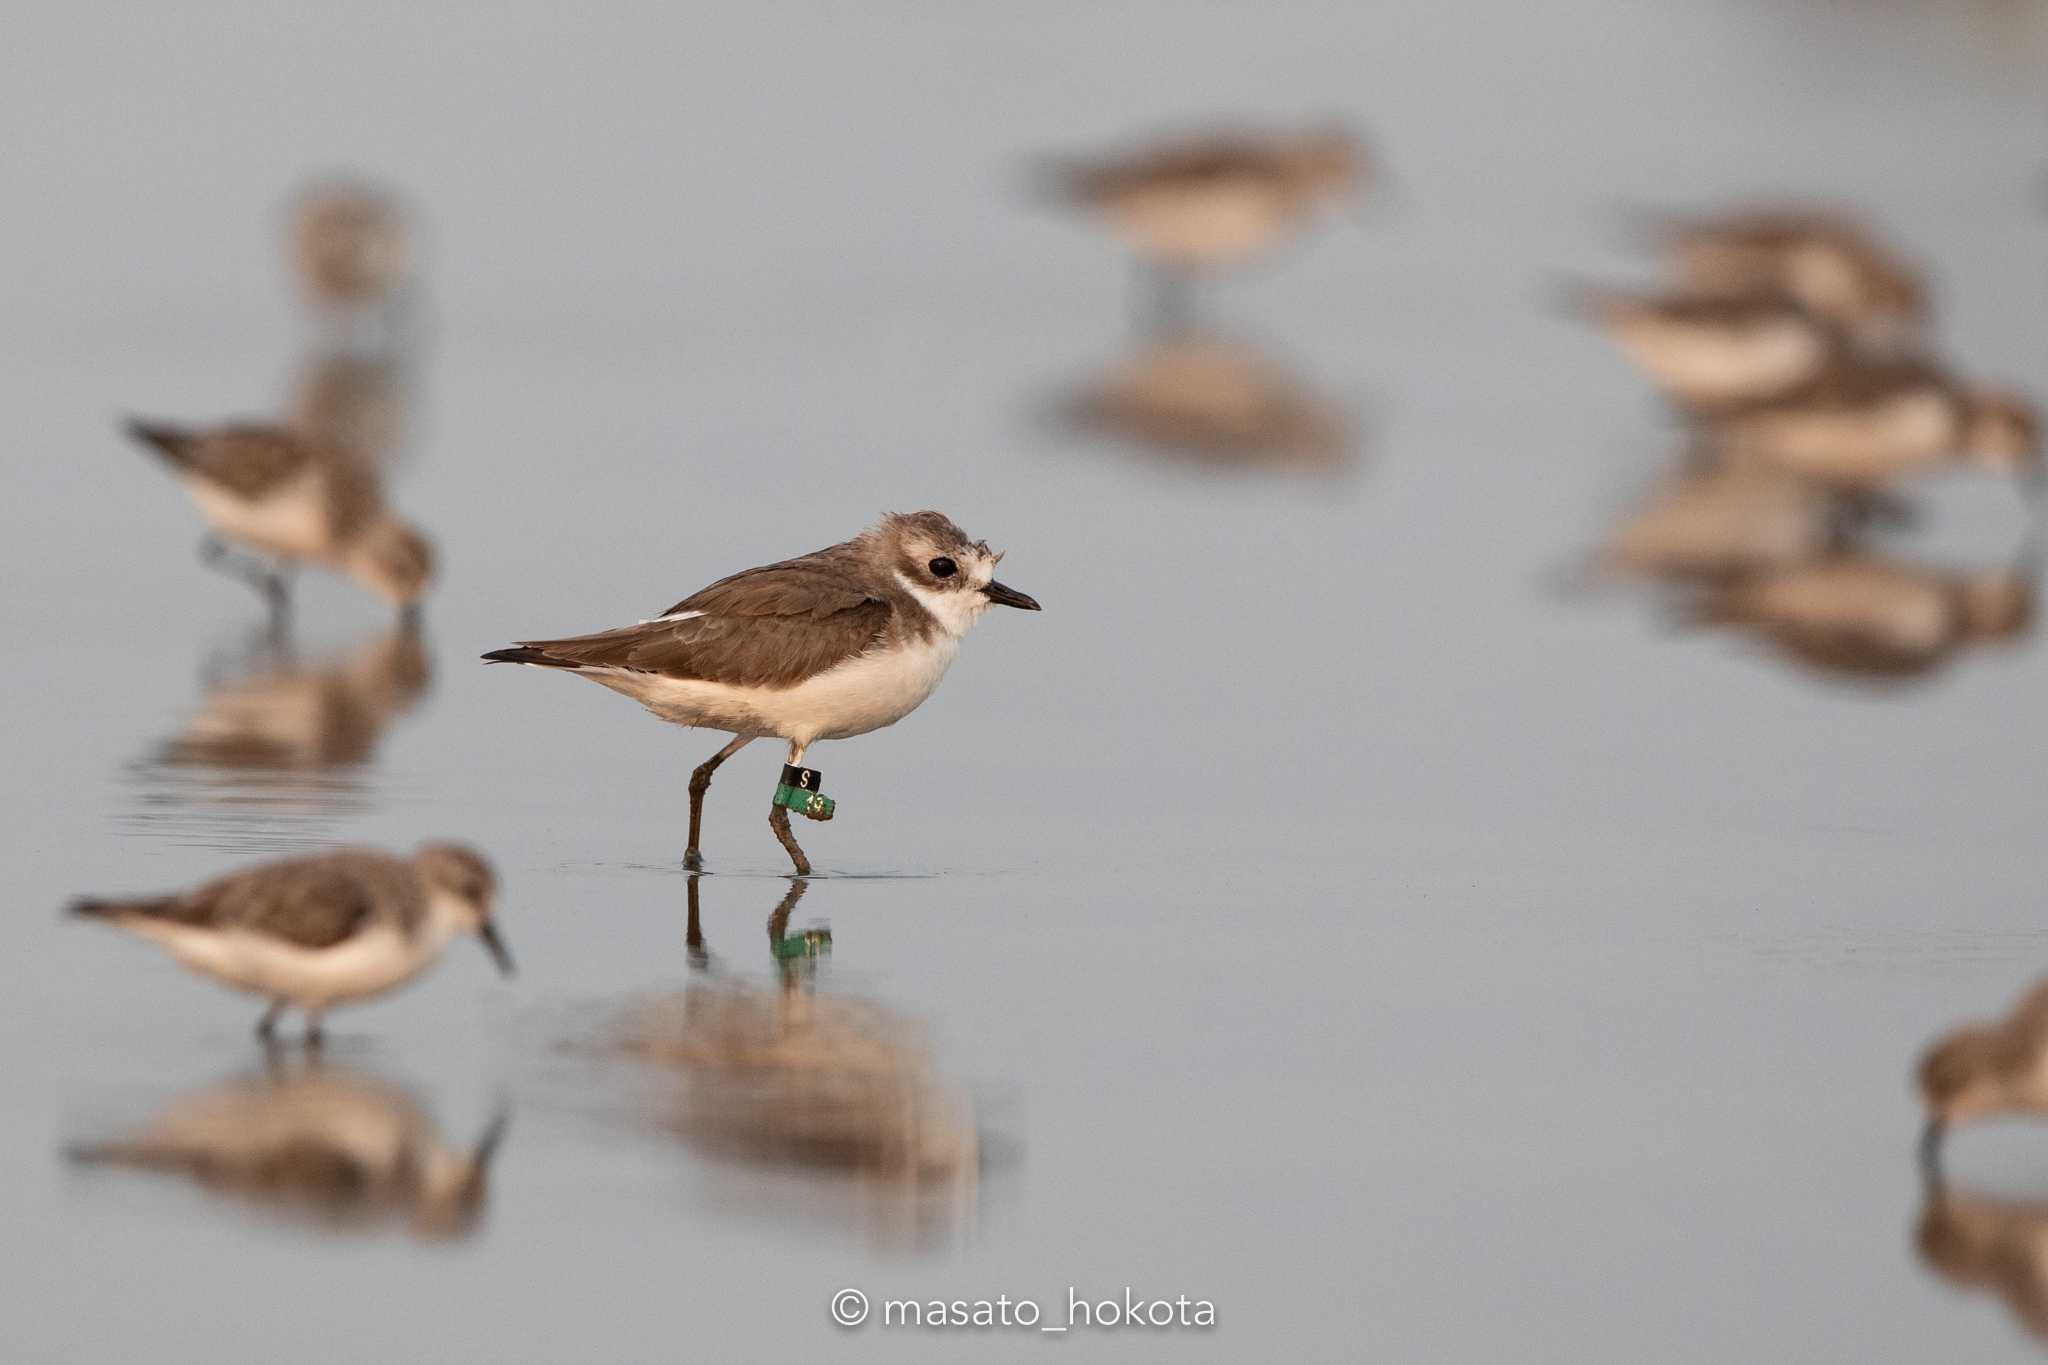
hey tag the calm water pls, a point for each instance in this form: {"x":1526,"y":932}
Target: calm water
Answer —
{"x":1315,"y":911}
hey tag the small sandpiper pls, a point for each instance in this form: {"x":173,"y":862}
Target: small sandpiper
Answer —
{"x":292,"y":500}
{"x":320,"y":931}
{"x":1824,"y":259}
{"x":829,"y":645}
{"x":1861,"y":425}
{"x":1982,"y":1070}
{"x":1709,"y":351}
{"x":1204,"y":203}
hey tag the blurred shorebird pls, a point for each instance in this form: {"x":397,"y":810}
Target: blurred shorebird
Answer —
{"x":1983,"y":1070}
{"x":315,"y":1140}
{"x":320,"y":931}
{"x":1828,"y":262}
{"x":1708,"y":351}
{"x":1206,"y":203}
{"x":1862,"y":425}
{"x":1983,"y":1241}
{"x":829,"y":645}
{"x":349,"y":246}
{"x":291,"y":500}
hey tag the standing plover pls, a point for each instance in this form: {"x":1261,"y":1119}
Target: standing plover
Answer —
{"x":1826,"y":260}
{"x":826,"y":646}
{"x":1709,"y":351}
{"x":1208,"y":202}
{"x":1862,"y":425}
{"x":314,"y":1139}
{"x":292,"y":500}
{"x":1981,"y":1070}
{"x":320,"y":931}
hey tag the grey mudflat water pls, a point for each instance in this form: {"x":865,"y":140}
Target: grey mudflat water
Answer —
{"x":1326,"y":908}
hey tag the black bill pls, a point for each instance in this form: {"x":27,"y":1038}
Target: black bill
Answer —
{"x":1010,"y":597}
{"x":495,"y":946}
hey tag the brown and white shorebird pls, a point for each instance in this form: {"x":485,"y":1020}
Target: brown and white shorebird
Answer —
{"x":1862,"y":425}
{"x":1988,"y":1069}
{"x":292,"y":500}
{"x":323,"y":930}
{"x":829,"y":645}
{"x":1206,"y":203}
{"x":1824,"y":259}
{"x":1720,"y":522}
{"x":349,"y":245}
{"x":1709,"y":351}
{"x":313,"y":1140}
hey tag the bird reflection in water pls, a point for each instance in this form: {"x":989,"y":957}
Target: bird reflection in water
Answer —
{"x":316,"y":1143}
{"x":1206,"y":401}
{"x":790,"y":1077}
{"x":278,"y":738}
{"x":1984,"y":1241}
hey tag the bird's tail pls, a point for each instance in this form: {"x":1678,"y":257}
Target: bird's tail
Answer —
{"x":87,"y":907}
{"x":172,"y":442}
{"x":528,"y":654}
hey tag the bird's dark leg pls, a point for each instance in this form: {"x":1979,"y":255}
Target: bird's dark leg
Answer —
{"x":1930,"y":1149}
{"x":274,"y":586}
{"x":693,"y":932}
{"x":778,"y":923}
{"x":778,"y":820}
{"x":315,"y":1035}
{"x":266,"y":1027}
{"x":700,"y":782}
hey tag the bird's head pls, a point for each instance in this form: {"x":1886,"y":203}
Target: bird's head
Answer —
{"x":458,"y":877}
{"x":395,"y":560}
{"x":954,"y":578}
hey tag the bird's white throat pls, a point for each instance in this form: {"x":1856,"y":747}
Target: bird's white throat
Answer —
{"x":955,"y":610}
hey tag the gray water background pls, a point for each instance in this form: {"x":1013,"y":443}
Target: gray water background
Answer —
{"x":1327,"y":916}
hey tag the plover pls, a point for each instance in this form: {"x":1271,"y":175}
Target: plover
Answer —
{"x":1709,"y":351}
{"x":1826,"y":260}
{"x":349,"y":245}
{"x":1203,"y":203}
{"x":320,"y":931}
{"x":1215,"y":401}
{"x":1983,"y":1070}
{"x":829,"y":645}
{"x":292,"y":501}
{"x":1863,"y":614}
{"x":1862,"y":425}
{"x":312,"y":1139}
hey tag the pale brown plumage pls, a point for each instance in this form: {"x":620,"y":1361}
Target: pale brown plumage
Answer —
{"x":349,"y":245}
{"x":312,"y":902}
{"x":1714,"y":351}
{"x":1832,"y":264}
{"x":1985,"y":1069}
{"x":1981,"y":1241}
{"x":295,"y":499}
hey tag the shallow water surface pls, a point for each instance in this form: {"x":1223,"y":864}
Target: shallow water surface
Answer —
{"x":1329,"y":907}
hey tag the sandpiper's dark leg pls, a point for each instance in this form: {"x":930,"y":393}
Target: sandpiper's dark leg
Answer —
{"x":315,"y":1035}
{"x":266,"y":1027}
{"x":700,"y":782}
{"x":778,"y":820}
{"x":265,"y":578}
{"x":1930,"y":1148}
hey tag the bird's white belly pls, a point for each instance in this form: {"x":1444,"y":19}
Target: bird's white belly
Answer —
{"x":368,"y":964}
{"x":291,"y":520}
{"x":864,"y":693}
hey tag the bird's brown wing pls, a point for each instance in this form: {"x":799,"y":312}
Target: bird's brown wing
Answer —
{"x":312,"y":902}
{"x":767,"y":627}
{"x":248,"y":460}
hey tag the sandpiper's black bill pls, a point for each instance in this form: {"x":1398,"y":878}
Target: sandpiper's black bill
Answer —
{"x":495,"y":946}
{"x":1010,"y":597}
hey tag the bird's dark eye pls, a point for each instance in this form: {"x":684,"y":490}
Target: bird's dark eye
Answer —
{"x":943,"y":567}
